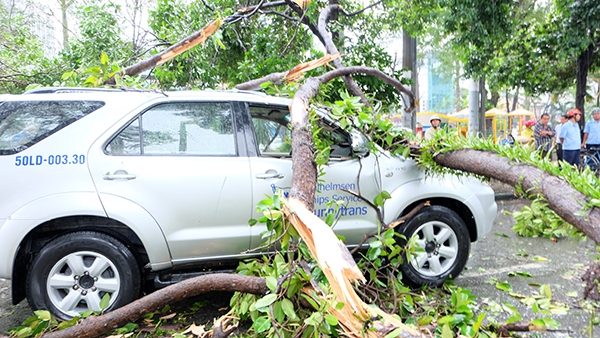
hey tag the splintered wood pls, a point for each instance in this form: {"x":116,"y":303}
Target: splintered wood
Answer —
{"x":190,"y":42}
{"x":297,"y":72}
{"x":342,"y":272}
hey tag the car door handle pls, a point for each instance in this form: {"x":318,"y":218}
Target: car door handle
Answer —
{"x":269,"y":175}
{"x":119,"y":175}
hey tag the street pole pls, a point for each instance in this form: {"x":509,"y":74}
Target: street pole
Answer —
{"x":482,"y":97}
{"x":474,"y":114}
{"x":409,"y":61}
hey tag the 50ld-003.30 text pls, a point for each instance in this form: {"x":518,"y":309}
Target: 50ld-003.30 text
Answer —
{"x":33,"y":160}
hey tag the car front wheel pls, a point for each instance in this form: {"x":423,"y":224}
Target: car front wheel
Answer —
{"x":72,"y":273}
{"x":444,"y":243}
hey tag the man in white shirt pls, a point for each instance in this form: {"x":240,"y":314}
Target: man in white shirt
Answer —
{"x":563,"y":119}
{"x":435,"y":126}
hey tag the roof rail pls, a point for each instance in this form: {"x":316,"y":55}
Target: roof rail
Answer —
{"x":51,"y":90}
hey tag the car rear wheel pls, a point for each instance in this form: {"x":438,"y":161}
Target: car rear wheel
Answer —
{"x":444,"y":239}
{"x":73,"y":272}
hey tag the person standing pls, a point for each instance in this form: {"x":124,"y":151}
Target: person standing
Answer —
{"x":435,"y":126}
{"x":543,"y":133}
{"x":591,"y":133}
{"x":570,"y":137}
{"x":559,"y":149}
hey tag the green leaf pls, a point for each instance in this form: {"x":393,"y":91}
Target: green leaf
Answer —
{"x":288,"y":308}
{"x":397,"y":332}
{"x":477,"y":324}
{"x":330,"y":219}
{"x":504,"y":287}
{"x":331,"y":319}
{"x":447,"y":332}
{"x":446,"y":319}
{"x":422,"y":321}
{"x":264,"y":302}
{"x":103,"y":58}
{"x":545,"y":291}
{"x":24,"y":332}
{"x":271,"y":283}
{"x":261,"y":324}
{"x":272,"y":214}
{"x":43,"y":315}
{"x":278,"y":313}
{"x":104,"y":301}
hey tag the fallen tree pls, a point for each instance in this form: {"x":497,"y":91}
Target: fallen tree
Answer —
{"x":561,"y":197}
{"x":334,"y":258}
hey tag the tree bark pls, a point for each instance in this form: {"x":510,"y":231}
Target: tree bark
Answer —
{"x":584,"y":61}
{"x":563,"y":199}
{"x":95,"y":326}
{"x":332,"y":49}
{"x":495,"y":98}
{"x":457,"y":92}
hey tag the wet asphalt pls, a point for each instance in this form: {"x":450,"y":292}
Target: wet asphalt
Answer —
{"x":523,"y":263}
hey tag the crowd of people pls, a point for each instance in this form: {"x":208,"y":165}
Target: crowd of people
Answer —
{"x":568,"y":136}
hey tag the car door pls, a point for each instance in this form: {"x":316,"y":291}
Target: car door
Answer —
{"x":271,"y":171}
{"x":180,"y":161}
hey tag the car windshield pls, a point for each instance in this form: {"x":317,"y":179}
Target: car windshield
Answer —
{"x":25,"y":123}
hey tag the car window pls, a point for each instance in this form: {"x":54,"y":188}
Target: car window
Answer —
{"x":25,"y":123}
{"x":187,"y":128}
{"x":273,"y":136}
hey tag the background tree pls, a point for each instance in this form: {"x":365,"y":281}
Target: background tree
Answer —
{"x":22,"y":58}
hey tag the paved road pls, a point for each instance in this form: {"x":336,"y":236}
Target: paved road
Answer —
{"x":496,"y":256}
{"x":502,"y":252}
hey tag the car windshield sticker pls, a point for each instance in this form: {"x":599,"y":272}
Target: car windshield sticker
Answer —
{"x":322,"y":207}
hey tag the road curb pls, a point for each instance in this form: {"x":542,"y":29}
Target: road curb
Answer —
{"x":503,"y":196}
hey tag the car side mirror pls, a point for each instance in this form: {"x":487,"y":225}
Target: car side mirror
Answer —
{"x":360,"y":145}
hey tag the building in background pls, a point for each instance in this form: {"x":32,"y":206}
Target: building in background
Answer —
{"x":437,"y":92}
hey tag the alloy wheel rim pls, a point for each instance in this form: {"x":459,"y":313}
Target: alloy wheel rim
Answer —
{"x":78,"y":282}
{"x":440,"y":249}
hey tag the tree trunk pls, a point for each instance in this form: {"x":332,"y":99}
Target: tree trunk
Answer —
{"x":64,"y":8}
{"x":584,"y":61}
{"x":457,"y":92}
{"x":563,"y":199}
{"x":95,"y":326}
{"x":495,"y":98}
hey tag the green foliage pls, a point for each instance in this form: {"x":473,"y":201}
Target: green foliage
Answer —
{"x":479,"y":27}
{"x":541,"y":304}
{"x":254,"y":47}
{"x":100,"y":25}
{"x":538,"y":220}
{"x":280,"y":314}
{"x":22,"y":57}
{"x":96,"y":75}
{"x":40,"y":322}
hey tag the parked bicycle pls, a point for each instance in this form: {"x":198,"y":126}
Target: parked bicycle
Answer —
{"x":591,"y":159}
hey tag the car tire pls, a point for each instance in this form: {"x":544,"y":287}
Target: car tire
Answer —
{"x":445,"y":239}
{"x":72,"y":273}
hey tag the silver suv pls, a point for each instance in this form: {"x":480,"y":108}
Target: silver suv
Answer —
{"x":108,"y":191}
